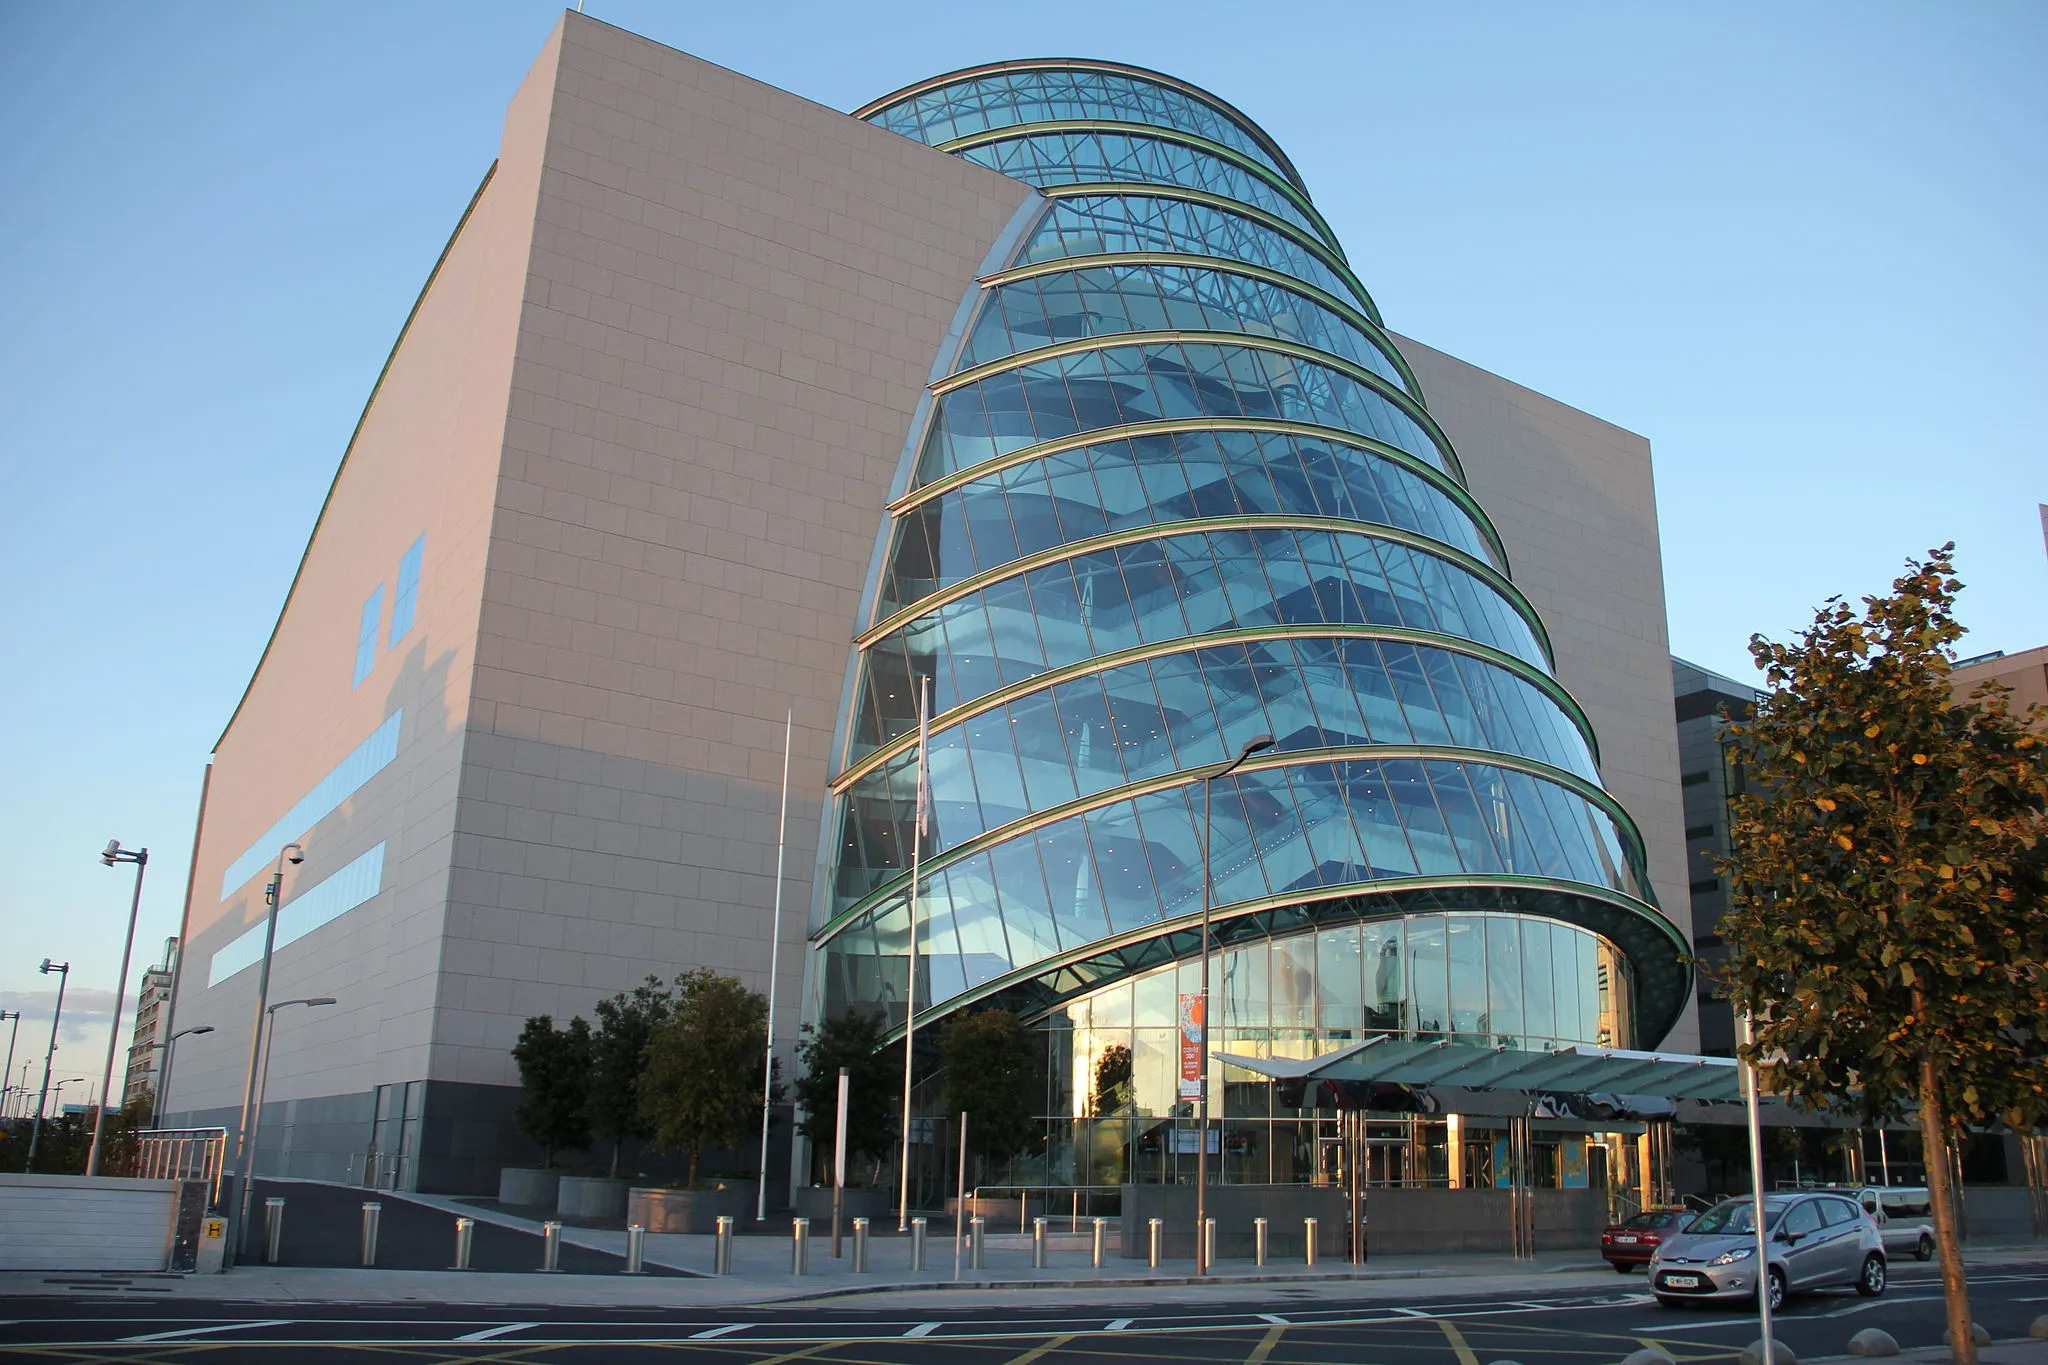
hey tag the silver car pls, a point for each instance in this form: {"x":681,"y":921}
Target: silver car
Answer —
{"x":1817,"y":1241}
{"x":1904,"y":1215}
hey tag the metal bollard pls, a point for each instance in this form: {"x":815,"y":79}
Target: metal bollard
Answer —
{"x":1154,"y":1226}
{"x":636,"y":1250}
{"x":273,"y":1228}
{"x":373,"y":1216}
{"x":1308,"y":1227}
{"x":550,"y":1248}
{"x":1038,"y":1244}
{"x":799,"y":1246}
{"x":1208,"y":1245}
{"x":860,"y":1246}
{"x":975,"y":1227}
{"x":917,"y":1236}
{"x":1259,"y":1240}
{"x":721,"y":1252}
{"x":465,"y":1237}
{"x":1095,"y":1253}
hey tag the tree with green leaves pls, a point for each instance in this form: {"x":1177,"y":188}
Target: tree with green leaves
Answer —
{"x":995,"y":1074}
{"x":1888,"y":878}
{"x":554,"y":1067}
{"x":874,"y":1095}
{"x":618,"y":1055}
{"x":702,"y":1086}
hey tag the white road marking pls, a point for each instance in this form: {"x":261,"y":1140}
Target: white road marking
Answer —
{"x":492,"y":1333}
{"x":711,"y":1332}
{"x":924,"y":1329}
{"x":203,"y":1331}
{"x":1117,"y":1324}
{"x":1275,"y":1319}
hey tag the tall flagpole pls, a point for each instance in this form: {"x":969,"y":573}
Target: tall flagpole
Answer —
{"x":774,"y":964}
{"x":910,"y":989}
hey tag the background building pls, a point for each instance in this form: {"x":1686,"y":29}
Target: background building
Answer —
{"x":2026,"y":673}
{"x":145,"y":1058}
{"x":1706,"y":701}
{"x":621,"y":500}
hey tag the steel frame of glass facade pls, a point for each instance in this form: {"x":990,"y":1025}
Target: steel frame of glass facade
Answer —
{"x":1175,"y":487}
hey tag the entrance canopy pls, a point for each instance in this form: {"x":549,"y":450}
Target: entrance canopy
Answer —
{"x":1575,"y":1070}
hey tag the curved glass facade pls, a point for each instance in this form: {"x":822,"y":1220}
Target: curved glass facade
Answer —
{"x":1196,"y":582}
{"x":1078,"y":494}
{"x":1112,"y":300}
{"x":1112,"y":224}
{"x":1042,"y":400}
{"x":1176,"y":490}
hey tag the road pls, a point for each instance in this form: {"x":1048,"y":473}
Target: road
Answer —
{"x":1587,"y":1323}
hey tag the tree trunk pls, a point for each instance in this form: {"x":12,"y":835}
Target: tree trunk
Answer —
{"x":1955,"y":1292}
{"x":693,"y":1174}
{"x":616,"y":1144}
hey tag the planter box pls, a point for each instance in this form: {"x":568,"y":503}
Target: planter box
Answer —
{"x":815,"y":1203}
{"x":660,"y":1210}
{"x":591,"y":1197}
{"x":526,"y":1185}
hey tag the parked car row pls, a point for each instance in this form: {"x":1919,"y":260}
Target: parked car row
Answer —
{"x":1819,"y":1239}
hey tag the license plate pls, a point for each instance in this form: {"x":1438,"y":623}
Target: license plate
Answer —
{"x":1629,"y":1240}
{"x":1682,"y":1281}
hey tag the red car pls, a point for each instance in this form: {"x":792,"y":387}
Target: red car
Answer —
{"x":1635,"y":1239}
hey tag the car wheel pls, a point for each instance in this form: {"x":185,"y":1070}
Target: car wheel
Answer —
{"x":1622,"y":1267}
{"x":1871,"y":1282}
{"x":1776,"y":1282}
{"x":1924,"y":1249}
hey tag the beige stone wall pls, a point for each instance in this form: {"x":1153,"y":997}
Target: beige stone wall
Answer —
{"x":425,"y":459}
{"x":732,"y":308}
{"x":1574,"y":500}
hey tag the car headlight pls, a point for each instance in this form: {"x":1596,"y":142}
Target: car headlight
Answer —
{"x":1731,"y":1257}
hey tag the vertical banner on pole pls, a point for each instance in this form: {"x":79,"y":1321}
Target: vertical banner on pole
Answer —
{"x":1192,"y":1042}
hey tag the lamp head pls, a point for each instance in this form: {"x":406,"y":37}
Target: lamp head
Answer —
{"x":203,"y":1028}
{"x":107,"y":854}
{"x":321,"y":1000}
{"x":1257,"y":743}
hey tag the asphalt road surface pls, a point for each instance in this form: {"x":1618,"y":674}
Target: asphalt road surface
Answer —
{"x":1285,"y":1325}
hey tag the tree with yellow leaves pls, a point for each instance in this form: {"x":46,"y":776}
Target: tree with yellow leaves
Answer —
{"x":1889,"y":883}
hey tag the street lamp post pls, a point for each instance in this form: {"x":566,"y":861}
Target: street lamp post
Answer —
{"x":1202,"y":1118}
{"x":245,"y":1152}
{"x":35,"y":1132}
{"x":6,"y":1086}
{"x":266,"y":1025}
{"x":112,"y":855}
{"x":163,"y":1080}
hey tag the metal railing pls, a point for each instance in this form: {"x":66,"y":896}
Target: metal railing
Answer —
{"x":1081,"y":1201}
{"x":183,"y":1154}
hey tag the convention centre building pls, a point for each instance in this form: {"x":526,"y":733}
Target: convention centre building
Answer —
{"x":1044,"y":389}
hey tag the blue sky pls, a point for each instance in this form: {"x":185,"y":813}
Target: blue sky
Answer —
{"x":1800,"y":247}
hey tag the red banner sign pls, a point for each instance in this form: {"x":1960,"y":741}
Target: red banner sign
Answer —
{"x":1192,"y":1041}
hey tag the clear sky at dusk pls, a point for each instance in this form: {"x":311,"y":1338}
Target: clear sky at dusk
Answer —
{"x":1803,"y":249}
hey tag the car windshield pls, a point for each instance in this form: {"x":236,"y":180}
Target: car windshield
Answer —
{"x":1733,"y":1219}
{"x":1648,"y":1220}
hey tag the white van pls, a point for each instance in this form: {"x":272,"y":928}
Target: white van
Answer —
{"x":1904,"y":1216}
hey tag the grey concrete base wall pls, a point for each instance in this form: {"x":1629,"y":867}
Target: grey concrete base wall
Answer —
{"x":1404,"y":1221}
{"x":72,"y":1222}
{"x":1234,"y":1207}
{"x":1997,"y":1212}
{"x":311,"y":1139}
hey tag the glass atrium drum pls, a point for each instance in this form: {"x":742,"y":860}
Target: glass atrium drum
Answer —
{"x":1174,"y":488}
